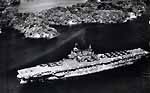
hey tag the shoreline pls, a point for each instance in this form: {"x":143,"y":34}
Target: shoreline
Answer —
{"x":103,"y":13}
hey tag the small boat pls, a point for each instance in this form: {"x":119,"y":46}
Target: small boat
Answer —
{"x":78,"y":63}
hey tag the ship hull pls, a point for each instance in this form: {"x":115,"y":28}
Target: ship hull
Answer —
{"x":67,"y":68}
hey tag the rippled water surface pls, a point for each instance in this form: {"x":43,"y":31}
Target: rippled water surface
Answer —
{"x":38,"y":5}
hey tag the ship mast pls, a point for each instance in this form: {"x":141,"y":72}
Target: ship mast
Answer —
{"x":74,"y":52}
{"x":75,"y":49}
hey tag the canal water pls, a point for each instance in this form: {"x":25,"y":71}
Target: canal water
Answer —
{"x":38,"y":5}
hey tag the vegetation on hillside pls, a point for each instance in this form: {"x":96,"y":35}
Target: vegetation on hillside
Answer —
{"x":106,"y":12}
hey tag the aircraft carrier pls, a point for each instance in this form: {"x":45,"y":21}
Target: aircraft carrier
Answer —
{"x":80,"y":62}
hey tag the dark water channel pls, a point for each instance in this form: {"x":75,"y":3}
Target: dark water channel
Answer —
{"x":18,"y":52}
{"x":103,"y":38}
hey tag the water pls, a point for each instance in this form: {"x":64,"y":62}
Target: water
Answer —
{"x":38,"y":5}
{"x":122,"y":80}
{"x":103,"y":38}
{"x":17,"y":51}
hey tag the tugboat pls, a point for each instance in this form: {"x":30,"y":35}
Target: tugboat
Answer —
{"x":80,"y":62}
